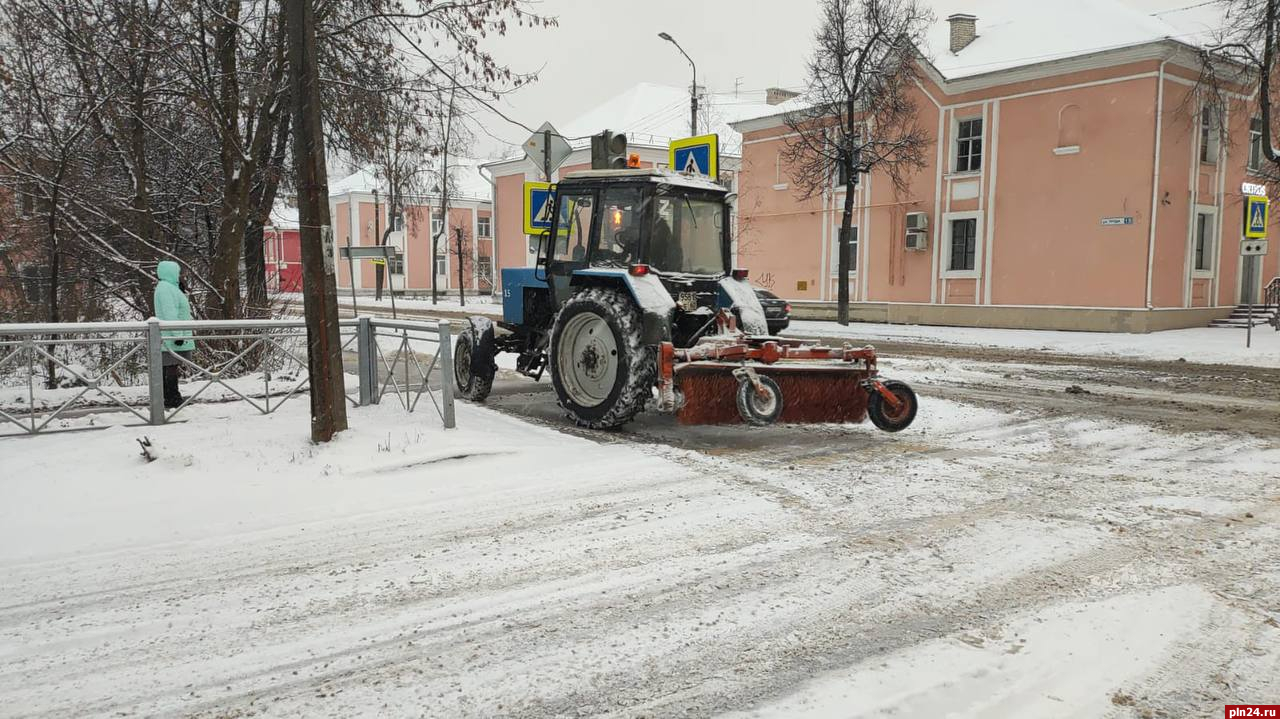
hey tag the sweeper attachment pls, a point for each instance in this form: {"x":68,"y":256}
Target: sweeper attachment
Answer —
{"x":633,"y":291}
{"x":732,"y":376}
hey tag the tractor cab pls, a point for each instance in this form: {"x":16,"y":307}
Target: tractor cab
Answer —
{"x":661,"y":236}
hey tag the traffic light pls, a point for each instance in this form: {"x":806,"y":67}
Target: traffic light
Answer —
{"x":609,"y":151}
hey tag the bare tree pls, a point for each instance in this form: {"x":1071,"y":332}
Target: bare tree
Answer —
{"x":462,"y":238}
{"x":1242,"y":57}
{"x":858,"y":114}
{"x":397,"y":145}
{"x":449,"y":129}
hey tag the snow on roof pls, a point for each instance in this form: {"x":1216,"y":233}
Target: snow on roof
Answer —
{"x":1014,"y":33}
{"x":653,"y":174}
{"x":1018,"y":33}
{"x":653,"y":115}
{"x":464,"y":176}
{"x":283,"y":217}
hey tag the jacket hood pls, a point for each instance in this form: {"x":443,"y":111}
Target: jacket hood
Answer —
{"x":168,"y":270}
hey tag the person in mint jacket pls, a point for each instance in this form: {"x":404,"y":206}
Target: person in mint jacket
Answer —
{"x":171,"y":304}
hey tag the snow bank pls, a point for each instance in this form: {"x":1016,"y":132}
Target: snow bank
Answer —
{"x":225,"y":470}
{"x":1210,"y":345}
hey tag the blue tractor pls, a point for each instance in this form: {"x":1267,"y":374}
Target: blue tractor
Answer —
{"x":633,"y":291}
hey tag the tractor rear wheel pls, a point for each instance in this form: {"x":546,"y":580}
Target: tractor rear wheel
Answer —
{"x":602,"y":373}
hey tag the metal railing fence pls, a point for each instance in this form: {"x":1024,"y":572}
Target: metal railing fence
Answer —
{"x":258,"y":362}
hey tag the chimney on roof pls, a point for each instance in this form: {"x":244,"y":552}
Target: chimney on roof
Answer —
{"x":778,"y":95}
{"x":964,"y":28}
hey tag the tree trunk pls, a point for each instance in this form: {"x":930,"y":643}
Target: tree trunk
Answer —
{"x":462,"y":298}
{"x":846,"y":230}
{"x":319,"y":285}
{"x":256,"y":304}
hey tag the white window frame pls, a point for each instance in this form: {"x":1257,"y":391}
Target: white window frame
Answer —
{"x":1255,"y":146}
{"x":1211,"y":241}
{"x":1210,"y":137}
{"x":834,"y":259}
{"x":484,"y":226}
{"x":437,"y":223}
{"x":947,"y":219}
{"x":956,"y":120}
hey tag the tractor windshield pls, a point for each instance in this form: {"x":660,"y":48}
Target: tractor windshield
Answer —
{"x":686,"y":236}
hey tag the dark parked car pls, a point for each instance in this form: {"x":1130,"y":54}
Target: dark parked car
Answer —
{"x":777,"y":311}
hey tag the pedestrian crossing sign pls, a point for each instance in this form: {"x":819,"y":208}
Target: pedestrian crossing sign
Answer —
{"x":539,"y":203}
{"x":696,"y":155}
{"x":1256,"y":210}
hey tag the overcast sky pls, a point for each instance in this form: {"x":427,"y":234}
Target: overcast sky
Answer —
{"x":603,"y":47}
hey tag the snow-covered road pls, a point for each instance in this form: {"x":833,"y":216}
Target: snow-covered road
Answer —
{"x":980,"y":564}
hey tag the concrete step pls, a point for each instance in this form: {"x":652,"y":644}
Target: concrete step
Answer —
{"x":1239,"y":323}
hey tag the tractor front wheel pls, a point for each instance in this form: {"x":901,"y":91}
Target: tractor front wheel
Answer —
{"x":601,"y":371}
{"x":473,"y":365}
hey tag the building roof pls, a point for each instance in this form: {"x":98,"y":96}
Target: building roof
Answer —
{"x":464,"y":175}
{"x":1015,"y":33}
{"x":1020,"y":33}
{"x":283,"y":217}
{"x":652,"y":174}
{"x":653,"y":115}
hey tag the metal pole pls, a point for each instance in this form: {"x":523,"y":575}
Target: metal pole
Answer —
{"x":693,"y":102}
{"x":391,"y":287}
{"x":155,"y":371}
{"x":446,"y":374}
{"x":546,"y":154}
{"x":364,"y":359}
{"x":30,"y":346}
{"x":1248,"y":333}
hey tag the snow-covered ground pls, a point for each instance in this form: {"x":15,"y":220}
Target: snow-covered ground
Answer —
{"x":979,"y":564}
{"x":1210,"y":345}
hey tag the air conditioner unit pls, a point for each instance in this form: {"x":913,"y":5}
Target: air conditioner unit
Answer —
{"x":917,"y":241}
{"x":917,"y":221}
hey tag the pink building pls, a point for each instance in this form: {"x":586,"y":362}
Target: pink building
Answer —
{"x":282,"y":250}
{"x":360,"y":215}
{"x":651,"y":116}
{"x":1073,"y":183}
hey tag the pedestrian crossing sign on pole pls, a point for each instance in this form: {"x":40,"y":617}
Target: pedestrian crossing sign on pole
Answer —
{"x":696,"y":155}
{"x":539,"y":203}
{"x":1256,"y":210}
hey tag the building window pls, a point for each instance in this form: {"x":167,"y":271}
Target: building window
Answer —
{"x":1208,"y":136}
{"x":437,"y":222}
{"x":1204,"y":242}
{"x":964,"y":245}
{"x":442,"y":266}
{"x":1069,"y":126}
{"x":835,"y":251}
{"x":1255,"y":144}
{"x":483,"y":227}
{"x":395,"y":264}
{"x":969,"y":145}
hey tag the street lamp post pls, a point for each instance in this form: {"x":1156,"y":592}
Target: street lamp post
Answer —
{"x":693,"y":92}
